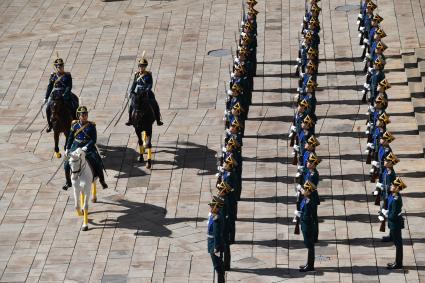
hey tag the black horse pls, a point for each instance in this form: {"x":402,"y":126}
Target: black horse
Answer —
{"x":61,"y":118}
{"x":143,"y":117}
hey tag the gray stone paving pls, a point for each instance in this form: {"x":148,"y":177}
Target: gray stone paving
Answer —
{"x":40,"y":238}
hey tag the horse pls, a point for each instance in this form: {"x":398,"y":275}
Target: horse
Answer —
{"x":82,"y":180}
{"x":61,"y":118}
{"x":142,"y":118}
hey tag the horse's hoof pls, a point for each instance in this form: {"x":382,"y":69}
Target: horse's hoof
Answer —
{"x":58,"y":154}
{"x":94,"y":200}
{"x":140,"y":159}
{"x":149,"y":164}
{"x":84,"y":228}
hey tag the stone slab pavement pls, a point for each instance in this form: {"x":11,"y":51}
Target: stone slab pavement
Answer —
{"x":40,"y":237}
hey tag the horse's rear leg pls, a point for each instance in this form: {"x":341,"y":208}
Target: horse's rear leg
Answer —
{"x":141,"y":145}
{"x":94,"y":193}
{"x":56,"y":137}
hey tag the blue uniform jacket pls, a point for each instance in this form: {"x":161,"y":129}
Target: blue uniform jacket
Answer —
{"x":62,"y":82}
{"x":80,"y":138}
{"x":395,"y":220}
{"x":215,"y":233}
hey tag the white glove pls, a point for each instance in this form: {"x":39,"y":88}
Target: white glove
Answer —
{"x":366,"y":41}
{"x":366,"y":85}
{"x":297,"y":213}
{"x":363,"y":92}
{"x":385,"y":212}
{"x":299,"y":60}
{"x":219,"y":168}
{"x":44,"y":101}
{"x":300,"y":168}
{"x":368,"y":124}
{"x":293,"y":129}
{"x":66,"y":152}
{"x":369,"y":145}
{"x":296,"y":148}
{"x":358,"y":22}
{"x":366,"y":132}
{"x":375,"y":192}
{"x":361,"y":29}
{"x":371,"y":171}
{"x":366,"y":151}
{"x":84,"y":148}
{"x":374,"y":163}
{"x":232,"y":74}
{"x":223,"y":149}
{"x":291,"y":134}
{"x":299,"y":187}
{"x":229,"y":92}
{"x":360,"y":16}
{"x":362,"y":47}
{"x":299,"y":89}
{"x":371,"y":108}
{"x":370,"y":69}
{"x":379,"y":185}
{"x":381,"y":218}
{"x":298,"y":175}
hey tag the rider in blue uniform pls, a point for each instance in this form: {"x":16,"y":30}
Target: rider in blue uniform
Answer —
{"x":143,"y":81}
{"x":84,"y":135}
{"x":60,"y":81}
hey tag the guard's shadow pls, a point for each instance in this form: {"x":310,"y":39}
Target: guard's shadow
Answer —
{"x":145,"y":219}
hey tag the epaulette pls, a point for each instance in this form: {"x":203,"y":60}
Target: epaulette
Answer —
{"x":93,"y":123}
{"x":74,"y":122}
{"x":67,"y":73}
{"x":216,"y":217}
{"x":396,"y":197}
{"x":146,"y":72}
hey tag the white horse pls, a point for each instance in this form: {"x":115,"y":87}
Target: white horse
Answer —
{"x":82,"y":180}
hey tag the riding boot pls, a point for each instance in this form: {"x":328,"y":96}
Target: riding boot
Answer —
{"x":310,"y":262}
{"x":68,"y":183}
{"x":398,"y":264}
{"x":227,"y":258}
{"x":220,"y":277}
{"x":102,"y":179}
{"x":49,"y":122}
{"x":157,"y":113}
{"x":387,"y":238}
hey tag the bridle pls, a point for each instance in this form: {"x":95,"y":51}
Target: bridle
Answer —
{"x":81,"y":167}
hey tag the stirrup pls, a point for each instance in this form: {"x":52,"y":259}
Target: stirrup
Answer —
{"x":128,"y":123}
{"x":49,"y":129}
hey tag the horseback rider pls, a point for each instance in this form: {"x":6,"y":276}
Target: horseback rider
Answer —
{"x":83,"y":134}
{"x":143,"y":82}
{"x":60,"y":81}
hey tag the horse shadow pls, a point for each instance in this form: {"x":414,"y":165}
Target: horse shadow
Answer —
{"x":123,"y":160}
{"x":144,"y":218}
{"x":191,"y":156}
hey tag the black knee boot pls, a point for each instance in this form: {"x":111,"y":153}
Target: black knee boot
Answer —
{"x":129,"y":122}
{"x":68,"y":183}
{"x":227,"y":258}
{"x":398,"y":259}
{"x":102,"y":178}
{"x":48,"y":117}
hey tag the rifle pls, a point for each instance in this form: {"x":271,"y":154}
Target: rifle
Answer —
{"x":369,"y":157}
{"x":296,"y":218}
{"x":295,"y":159}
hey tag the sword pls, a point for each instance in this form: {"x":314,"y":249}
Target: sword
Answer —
{"x":57,"y":170}
{"x":122,"y":111}
{"x":36,"y":115}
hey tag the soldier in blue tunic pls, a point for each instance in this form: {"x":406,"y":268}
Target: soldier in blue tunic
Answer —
{"x":396,"y":221}
{"x":215,"y":236}
{"x":306,"y":215}
{"x":84,"y":135}
{"x":60,"y":81}
{"x":143,"y":81}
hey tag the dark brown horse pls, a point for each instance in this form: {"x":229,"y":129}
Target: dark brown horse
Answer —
{"x":61,"y":119}
{"x":143,"y":117}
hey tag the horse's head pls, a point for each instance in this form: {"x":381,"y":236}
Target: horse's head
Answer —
{"x":57,"y":102}
{"x":76,"y":160}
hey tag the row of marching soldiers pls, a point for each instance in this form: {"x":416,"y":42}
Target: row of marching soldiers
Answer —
{"x":379,"y":153}
{"x":224,"y":205}
{"x":303,"y":137}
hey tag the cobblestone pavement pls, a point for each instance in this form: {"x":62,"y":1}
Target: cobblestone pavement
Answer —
{"x":40,"y":237}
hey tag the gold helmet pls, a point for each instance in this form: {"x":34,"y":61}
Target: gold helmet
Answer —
{"x":143,"y":61}
{"x":308,"y":121}
{"x":315,"y":8}
{"x":252,"y":11}
{"x":81,"y":110}
{"x":224,"y":186}
{"x":235,"y":123}
{"x":379,"y":62}
{"x":303,"y":103}
{"x":312,"y":52}
{"x":232,"y":143}
{"x":230,"y":161}
{"x":313,"y":22}
{"x":377,"y":18}
{"x":216,"y":202}
{"x":384,"y":84}
{"x":384,"y":119}
{"x":313,"y":141}
{"x":309,"y":186}
{"x":372,"y":6}
{"x":314,"y":159}
{"x":238,"y":108}
{"x":387,"y":136}
{"x":308,"y":35}
{"x":58,"y":61}
{"x":236,"y":88}
{"x":311,"y":65}
{"x":381,"y":46}
{"x":381,"y":32}
{"x":392,"y":158}
{"x":380,"y":99}
{"x":398,"y":182}
{"x":311,"y":84}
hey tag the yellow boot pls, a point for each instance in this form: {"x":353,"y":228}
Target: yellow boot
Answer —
{"x":85,"y":221}
{"x":149,"y":163}
{"x":94,"y":193}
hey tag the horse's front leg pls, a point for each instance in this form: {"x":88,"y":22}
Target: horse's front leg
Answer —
{"x":141,"y":145}
{"x":149,"y":147}
{"x":56,"y":137}
{"x":77,"y":201}
{"x":94,"y":192}
{"x":86,"y":194}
